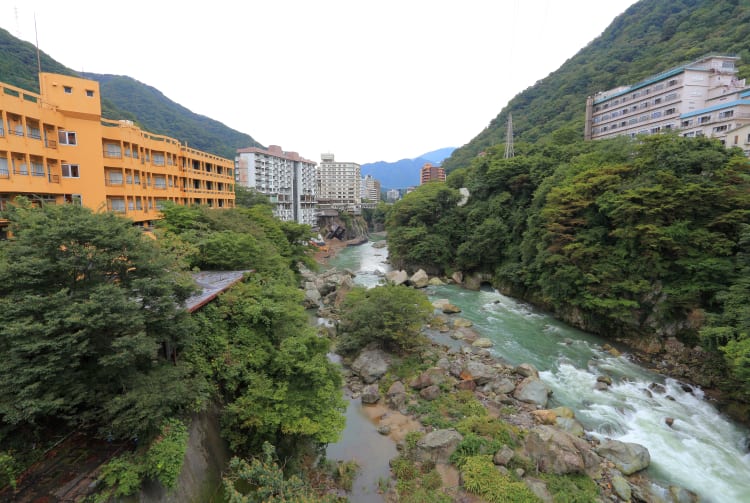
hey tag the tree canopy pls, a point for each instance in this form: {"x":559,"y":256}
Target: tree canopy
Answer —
{"x":390,"y":316}
{"x":91,"y":329}
{"x":627,"y":237}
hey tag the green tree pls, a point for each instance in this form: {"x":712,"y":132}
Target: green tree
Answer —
{"x":729,"y":329}
{"x":247,"y":198}
{"x":270,"y":369}
{"x":424,"y":228}
{"x":391,"y":316}
{"x":90,"y":324}
{"x":261,"y":480}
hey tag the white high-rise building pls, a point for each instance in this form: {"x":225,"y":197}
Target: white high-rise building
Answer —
{"x":339,"y":185}
{"x":702,"y":98}
{"x":370,"y":189}
{"x":285,"y":177}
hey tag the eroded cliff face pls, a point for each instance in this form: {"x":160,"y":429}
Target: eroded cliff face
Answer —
{"x":355,"y":227}
{"x":205,"y":459}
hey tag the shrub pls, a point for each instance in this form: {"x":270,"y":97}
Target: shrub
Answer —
{"x":391,"y":316}
{"x":482,"y":478}
{"x":166,"y":454}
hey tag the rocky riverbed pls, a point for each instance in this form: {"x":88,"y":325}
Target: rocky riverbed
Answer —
{"x":553,"y":441}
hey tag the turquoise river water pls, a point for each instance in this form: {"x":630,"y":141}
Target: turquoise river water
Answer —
{"x":703,"y":451}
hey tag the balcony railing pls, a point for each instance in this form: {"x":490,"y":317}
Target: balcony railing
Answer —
{"x":50,"y":143}
{"x":110,"y":154}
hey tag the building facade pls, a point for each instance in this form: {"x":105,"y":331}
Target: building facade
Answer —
{"x":285,"y":177}
{"x":56,"y":148}
{"x":702,"y":98}
{"x":430,"y":173}
{"x":339,"y":185}
{"x":370,"y":189}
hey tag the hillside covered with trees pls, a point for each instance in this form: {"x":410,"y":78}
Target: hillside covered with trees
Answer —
{"x":126,"y":98}
{"x":95,"y":343}
{"x":633,"y":239}
{"x":650,"y":37}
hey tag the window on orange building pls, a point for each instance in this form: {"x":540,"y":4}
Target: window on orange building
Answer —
{"x":70,"y":171}
{"x":67,"y":137}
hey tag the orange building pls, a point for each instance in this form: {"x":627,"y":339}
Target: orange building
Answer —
{"x":430,"y":173}
{"x":56,"y":148}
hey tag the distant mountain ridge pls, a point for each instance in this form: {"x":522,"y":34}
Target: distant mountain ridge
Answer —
{"x":404,"y":173}
{"x":126,"y":98}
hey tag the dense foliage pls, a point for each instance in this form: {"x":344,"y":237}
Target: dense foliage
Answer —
{"x":651,"y":36}
{"x":90,"y":328}
{"x":262,"y":480}
{"x":254,"y":344}
{"x":390,"y":316}
{"x":624,"y":238}
{"x":94,"y":339}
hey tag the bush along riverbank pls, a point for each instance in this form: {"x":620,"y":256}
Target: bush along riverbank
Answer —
{"x":468,"y":425}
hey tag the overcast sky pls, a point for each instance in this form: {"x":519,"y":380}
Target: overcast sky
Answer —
{"x":366,"y":80}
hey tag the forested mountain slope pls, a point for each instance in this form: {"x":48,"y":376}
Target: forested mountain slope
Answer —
{"x":158,"y":114}
{"x":650,"y":37}
{"x":126,"y":98}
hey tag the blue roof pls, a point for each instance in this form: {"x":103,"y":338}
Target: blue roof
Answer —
{"x":715,"y":107}
{"x":745,"y":94}
{"x":668,"y":73}
{"x":644,"y":83}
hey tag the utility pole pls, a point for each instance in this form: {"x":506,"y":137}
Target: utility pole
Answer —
{"x":509,"y":138}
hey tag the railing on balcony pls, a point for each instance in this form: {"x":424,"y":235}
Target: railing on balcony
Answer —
{"x":4,"y":173}
{"x":112,"y":154}
{"x":50,"y":143}
{"x":112,"y":181}
{"x":2,"y":132}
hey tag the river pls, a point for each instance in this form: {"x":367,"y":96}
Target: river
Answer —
{"x":702,"y":451}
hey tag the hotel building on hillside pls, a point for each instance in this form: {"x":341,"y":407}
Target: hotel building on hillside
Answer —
{"x":430,"y":173}
{"x":287,"y":178}
{"x":339,"y":185}
{"x":702,"y":98}
{"x":55,"y":147}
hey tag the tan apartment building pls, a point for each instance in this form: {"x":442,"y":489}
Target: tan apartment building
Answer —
{"x":339,"y":184}
{"x":703,"y":98}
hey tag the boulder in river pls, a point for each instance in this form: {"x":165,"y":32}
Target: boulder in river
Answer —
{"x":419,"y":279}
{"x":532,"y":390}
{"x":437,"y":446}
{"x":370,"y":394}
{"x":396,"y":277}
{"x":371,"y":364}
{"x":558,"y":452}
{"x":626,"y":456}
